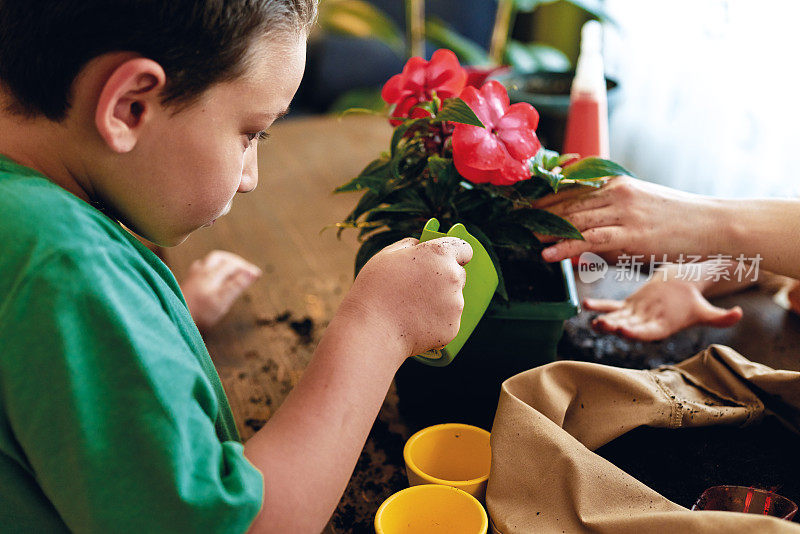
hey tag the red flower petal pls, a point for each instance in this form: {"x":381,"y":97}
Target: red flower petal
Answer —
{"x":402,"y":109}
{"x":393,"y":89}
{"x":513,"y":171}
{"x":475,"y":176}
{"x":496,"y":97}
{"x":476,"y":76}
{"x":444,"y":74}
{"x":414,"y":74}
{"x":477,"y":147}
{"x":520,"y":115}
{"x":521,"y":143}
{"x":474,"y":99}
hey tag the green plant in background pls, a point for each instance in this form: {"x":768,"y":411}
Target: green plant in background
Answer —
{"x":359,"y":18}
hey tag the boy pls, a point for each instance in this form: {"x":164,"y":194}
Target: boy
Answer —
{"x":112,"y":417}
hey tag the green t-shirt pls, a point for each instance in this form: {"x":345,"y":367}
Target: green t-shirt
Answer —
{"x":112,"y":416}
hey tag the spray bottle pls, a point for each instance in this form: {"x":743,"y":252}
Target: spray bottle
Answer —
{"x":587,"y":121}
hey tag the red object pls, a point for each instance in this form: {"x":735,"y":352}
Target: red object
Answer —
{"x":746,"y":500}
{"x":476,"y":76}
{"x":420,"y":79}
{"x":587,"y":126}
{"x":500,"y":153}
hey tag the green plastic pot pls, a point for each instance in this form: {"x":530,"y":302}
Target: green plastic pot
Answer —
{"x":509,"y":339}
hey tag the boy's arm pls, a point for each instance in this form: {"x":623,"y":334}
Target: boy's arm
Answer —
{"x":406,"y":300}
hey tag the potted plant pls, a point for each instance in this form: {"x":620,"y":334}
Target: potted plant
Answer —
{"x":463,"y":154}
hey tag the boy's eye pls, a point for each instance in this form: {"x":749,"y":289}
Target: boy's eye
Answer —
{"x":263,"y":134}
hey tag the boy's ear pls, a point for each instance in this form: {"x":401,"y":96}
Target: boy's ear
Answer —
{"x":128,"y":100}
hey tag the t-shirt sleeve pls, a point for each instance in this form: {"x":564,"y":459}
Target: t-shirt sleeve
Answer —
{"x":112,"y":409}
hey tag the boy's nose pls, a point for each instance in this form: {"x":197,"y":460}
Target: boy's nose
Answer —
{"x":249,"y":171}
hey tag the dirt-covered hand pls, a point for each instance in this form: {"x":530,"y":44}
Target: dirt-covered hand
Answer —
{"x":412,"y":292}
{"x":627,"y":216}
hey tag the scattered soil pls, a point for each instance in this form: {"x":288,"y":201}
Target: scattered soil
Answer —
{"x":304,"y":328}
{"x":270,"y":321}
{"x":255,"y":424}
{"x":528,"y":278}
{"x":581,"y":342}
{"x":379,"y":473}
{"x":681,"y":464}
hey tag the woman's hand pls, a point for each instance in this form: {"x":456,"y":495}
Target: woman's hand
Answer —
{"x":658,"y":310}
{"x":630,"y":216}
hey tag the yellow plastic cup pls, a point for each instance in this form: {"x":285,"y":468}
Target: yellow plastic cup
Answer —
{"x":451,"y":454}
{"x":431,"y":509}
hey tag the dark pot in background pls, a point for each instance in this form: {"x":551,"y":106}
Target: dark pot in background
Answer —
{"x":508,"y":340}
{"x":548,"y":92}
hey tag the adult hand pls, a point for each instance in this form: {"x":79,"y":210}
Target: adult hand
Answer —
{"x":659,"y":309}
{"x":629,"y":216}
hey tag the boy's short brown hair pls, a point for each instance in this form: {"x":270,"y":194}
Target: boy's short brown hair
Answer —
{"x":44,"y":44}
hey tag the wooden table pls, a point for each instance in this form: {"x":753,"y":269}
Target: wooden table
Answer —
{"x":261,"y":348}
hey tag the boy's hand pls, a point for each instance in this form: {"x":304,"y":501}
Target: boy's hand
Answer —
{"x":412,"y":292}
{"x":213,"y":285}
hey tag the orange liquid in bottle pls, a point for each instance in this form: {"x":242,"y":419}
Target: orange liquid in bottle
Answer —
{"x":587,"y":126}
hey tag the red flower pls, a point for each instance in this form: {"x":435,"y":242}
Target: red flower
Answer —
{"x":419,"y":79}
{"x":477,"y":76}
{"x":500,"y":152}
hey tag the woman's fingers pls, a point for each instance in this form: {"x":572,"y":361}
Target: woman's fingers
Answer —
{"x":603,"y":305}
{"x":719,"y":317}
{"x":652,"y":330}
{"x":597,"y":240}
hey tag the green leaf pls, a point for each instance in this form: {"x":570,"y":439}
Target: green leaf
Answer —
{"x":401,"y":129}
{"x":444,"y":171}
{"x":533,"y":188}
{"x":468,"y":52}
{"x":545,"y":223}
{"x":552,"y":178}
{"x":367,"y":202}
{"x":590,"y":168}
{"x":546,"y":159}
{"x":373,"y":177}
{"x":527,"y":58}
{"x":375,"y":244}
{"x":357,"y":18}
{"x":442,"y":185}
{"x":564,"y":158}
{"x":484,"y":240}
{"x":456,"y":110}
{"x":514,"y":235}
{"x":468,"y":200}
{"x":404,"y":210}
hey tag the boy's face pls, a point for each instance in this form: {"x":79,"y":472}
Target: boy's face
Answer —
{"x":186,"y":168}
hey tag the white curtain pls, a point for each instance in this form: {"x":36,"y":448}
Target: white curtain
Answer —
{"x":710,"y":97}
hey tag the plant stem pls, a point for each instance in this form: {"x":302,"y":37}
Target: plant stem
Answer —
{"x":501,"y":30}
{"x":415,"y":27}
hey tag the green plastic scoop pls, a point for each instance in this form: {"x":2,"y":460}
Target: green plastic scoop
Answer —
{"x":481,"y":285}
